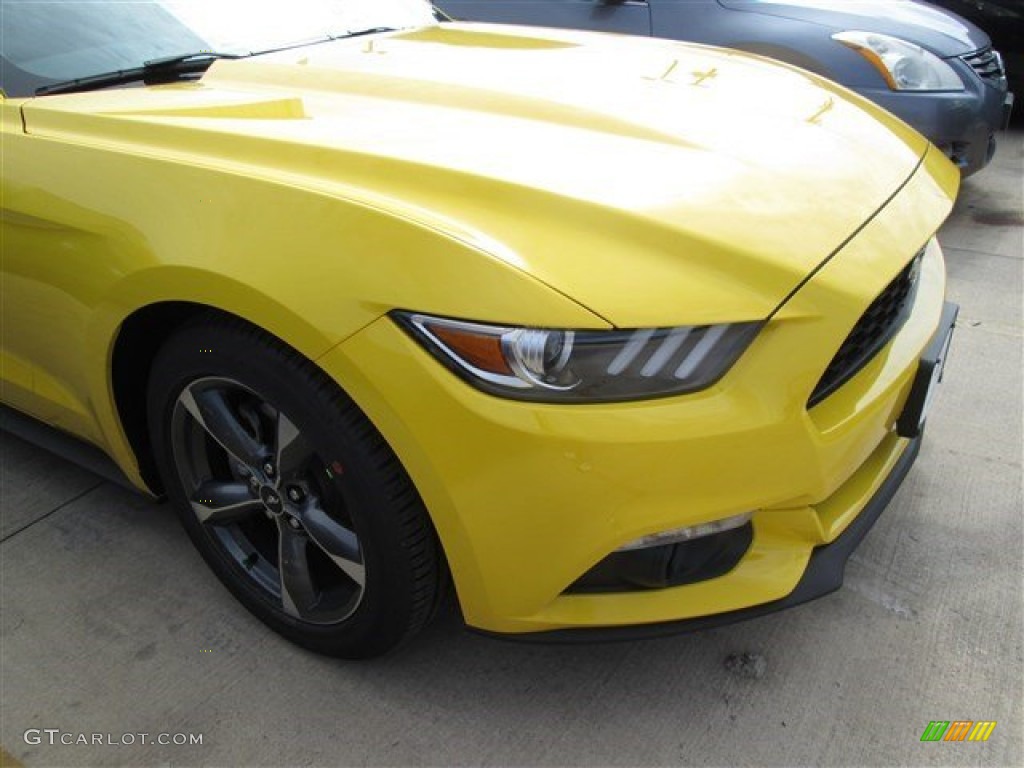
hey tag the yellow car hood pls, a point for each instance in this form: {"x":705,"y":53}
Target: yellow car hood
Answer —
{"x":652,"y":182}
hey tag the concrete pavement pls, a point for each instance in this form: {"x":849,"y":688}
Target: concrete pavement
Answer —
{"x":111,"y":624}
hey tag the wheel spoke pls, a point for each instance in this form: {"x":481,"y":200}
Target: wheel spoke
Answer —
{"x":222,"y":503}
{"x":290,"y":448}
{"x":212,"y":411}
{"x":337,"y":541}
{"x":298,"y":595}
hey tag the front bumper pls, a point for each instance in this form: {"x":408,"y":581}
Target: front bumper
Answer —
{"x":963,"y":124}
{"x":823,"y":575}
{"x":528,"y":497}
{"x":827,"y":565}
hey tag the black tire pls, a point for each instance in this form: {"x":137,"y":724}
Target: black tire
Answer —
{"x":339,"y":503}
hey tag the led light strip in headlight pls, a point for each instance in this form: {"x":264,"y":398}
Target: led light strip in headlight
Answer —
{"x":550,"y":365}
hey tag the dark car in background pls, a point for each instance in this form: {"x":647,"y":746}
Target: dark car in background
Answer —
{"x":1003,"y":21}
{"x":932,"y":68}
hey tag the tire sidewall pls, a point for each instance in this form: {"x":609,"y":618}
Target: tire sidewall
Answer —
{"x":381,"y":618}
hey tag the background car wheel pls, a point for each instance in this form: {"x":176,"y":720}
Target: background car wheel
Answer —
{"x":290,"y":494}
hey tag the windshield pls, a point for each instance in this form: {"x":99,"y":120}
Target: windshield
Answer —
{"x":46,"y":41}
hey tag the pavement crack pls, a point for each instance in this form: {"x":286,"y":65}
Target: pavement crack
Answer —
{"x":967,"y":323}
{"x":53,"y":511}
{"x":1009,"y":463}
{"x":975,"y":252}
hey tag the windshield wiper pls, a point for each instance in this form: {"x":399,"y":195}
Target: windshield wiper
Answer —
{"x":163,"y":70}
{"x":170,"y":68}
{"x":367,"y":31}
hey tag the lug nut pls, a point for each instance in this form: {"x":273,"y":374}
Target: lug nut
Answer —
{"x":295,"y":494}
{"x":268,"y":469}
{"x":294,"y":523}
{"x":254,"y":482}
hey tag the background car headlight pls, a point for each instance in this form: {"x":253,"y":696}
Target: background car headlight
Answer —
{"x":905,"y":66}
{"x":550,"y":365}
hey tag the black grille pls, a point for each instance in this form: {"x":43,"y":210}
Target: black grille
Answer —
{"x":988,"y":64}
{"x":876,"y":327}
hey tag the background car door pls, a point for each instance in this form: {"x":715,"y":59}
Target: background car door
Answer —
{"x":631,"y":17}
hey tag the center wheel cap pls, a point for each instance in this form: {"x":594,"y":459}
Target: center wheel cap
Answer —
{"x":271,"y":500}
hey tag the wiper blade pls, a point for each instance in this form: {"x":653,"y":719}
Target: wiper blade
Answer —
{"x":166,"y":69}
{"x":367,"y":31}
{"x":199,"y":56}
{"x":169,"y":68}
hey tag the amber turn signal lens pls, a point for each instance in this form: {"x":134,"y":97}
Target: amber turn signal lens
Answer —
{"x":479,"y":350}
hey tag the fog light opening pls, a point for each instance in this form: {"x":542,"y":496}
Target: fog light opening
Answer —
{"x":689,"y":533}
{"x":956,"y":152}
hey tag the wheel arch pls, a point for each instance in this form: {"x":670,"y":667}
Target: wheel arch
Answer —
{"x":139,"y":338}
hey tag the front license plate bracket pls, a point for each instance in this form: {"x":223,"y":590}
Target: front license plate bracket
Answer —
{"x":929,"y":373}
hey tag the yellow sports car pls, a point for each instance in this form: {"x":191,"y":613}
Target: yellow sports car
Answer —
{"x":609,"y":335}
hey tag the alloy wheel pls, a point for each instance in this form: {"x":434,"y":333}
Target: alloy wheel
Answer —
{"x":274,"y":509}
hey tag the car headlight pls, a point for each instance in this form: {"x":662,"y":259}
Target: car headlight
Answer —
{"x":549,"y":365}
{"x":905,"y":66}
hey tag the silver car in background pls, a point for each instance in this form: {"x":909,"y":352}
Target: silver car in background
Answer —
{"x":935,"y":70}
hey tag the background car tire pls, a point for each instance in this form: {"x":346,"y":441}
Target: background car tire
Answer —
{"x":339,"y":503}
